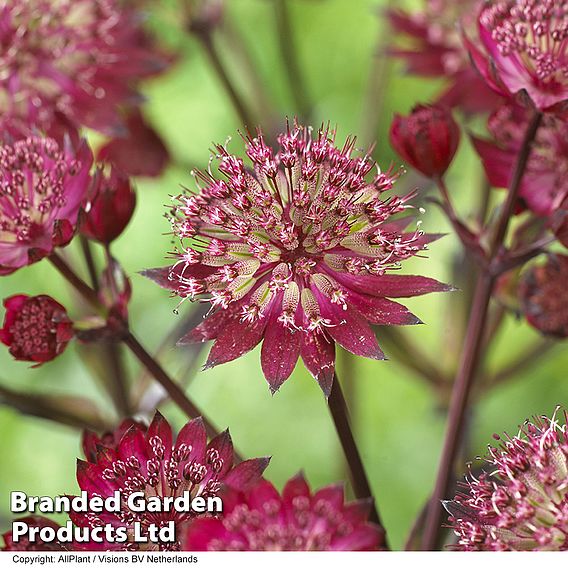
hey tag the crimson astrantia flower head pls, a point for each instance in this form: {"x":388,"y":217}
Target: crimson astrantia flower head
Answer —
{"x":544,"y":188}
{"x":262,"y":519}
{"x":76,"y":60}
{"x":522,"y":503}
{"x":42,"y":186}
{"x":24,"y":544}
{"x":544,"y":296}
{"x":141,"y":152}
{"x":433,"y":48}
{"x":109,"y":208}
{"x":297,"y":251}
{"x":36,"y":328}
{"x":522,"y":50}
{"x":427,"y":139}
{"x":153,"y":462}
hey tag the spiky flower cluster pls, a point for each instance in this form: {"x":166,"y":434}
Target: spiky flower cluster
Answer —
{"x":526,"y":47}
{"x":41,"y":189}
{"x":70,"y":60}
{"x":544,"y":188}
{"x":522,"y":504}
{"x":262,"y":519}
{"x":153,"y":462}
{"x":435,"y":49}
{"x":298,"y":251}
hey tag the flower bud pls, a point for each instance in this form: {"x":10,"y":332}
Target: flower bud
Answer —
{"x":110,"y":208}
{"x":36,"y":328}
{"x":544,"y":297}
{"x":427,"y":139}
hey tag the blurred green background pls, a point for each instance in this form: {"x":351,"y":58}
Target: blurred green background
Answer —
{"x":398,"y":419}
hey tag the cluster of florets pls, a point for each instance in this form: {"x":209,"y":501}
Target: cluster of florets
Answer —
{"x":522,"y":504}
{"x":296,"y":250}
{"x":152,"y":461}
{"x":525,"y":49}
{"x":297,"y":519}
{"x":70,"y":62}
{"x":42,"y":186}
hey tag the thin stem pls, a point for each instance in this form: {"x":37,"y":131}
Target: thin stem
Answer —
{"x":290,"y":58}
{"x":236,"y":99}
{"x":359,"y":480}
{"x":172,"y":388}
{"x":473,"y":348}
{"x":175,"y":392}
{"x":90,"y":262}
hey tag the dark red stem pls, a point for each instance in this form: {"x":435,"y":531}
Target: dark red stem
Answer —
{"x":472,"y":350}
{"x":359,"y":480}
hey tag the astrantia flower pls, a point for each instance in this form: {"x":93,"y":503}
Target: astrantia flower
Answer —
{"x":36,"y":328}
{"x":544,"y":187}
{"x":521,"y":503}
{"x":262,"y":519}
{"x":435,"y":50}
{"x":42,"y":186}
{"x":71,"y":60}
{"x":37,"y":545}
{"x":523,"y":50}
{"x":297,"y":251}
{"x":544,"y":296}
{"x":427,"y":139}
{"x":155,"y":463}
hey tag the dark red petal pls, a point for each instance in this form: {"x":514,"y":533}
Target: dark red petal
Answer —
{"x":193,"y":434}
{"x":295,"y":487}
{"x":161,"y":429}
{"x":351,"y":331}
{"x":391,"y":285}
{"x":246,"y":474}
{"x":208,"y":329}
{"x":280,"y":352}
{"x":262,"y":493}
{"x":318,"y":353}
{"x":381,"y":311}
{"x":235,"y":340}
{"x":224,"y":445}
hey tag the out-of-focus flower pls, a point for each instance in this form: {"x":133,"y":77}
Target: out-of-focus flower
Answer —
{"x":109,"y":207}
{"x":141,"y":152}
{"x":544,"y":187}
{"x":427,"y":139}
{"x":521,"y":50}
{"x":36,"y":328}
{"x":38,"y":545}
{"x":154,"y":463}
{"x":42,"y":186}
{"x":521,"y":504}
{"x":92,"y":442}
{"x":76,"y":60}
{"x":544,"y":296}
{"x":298,"y":252}
{"x":262,"y":519}
{"x":435,"y":50}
